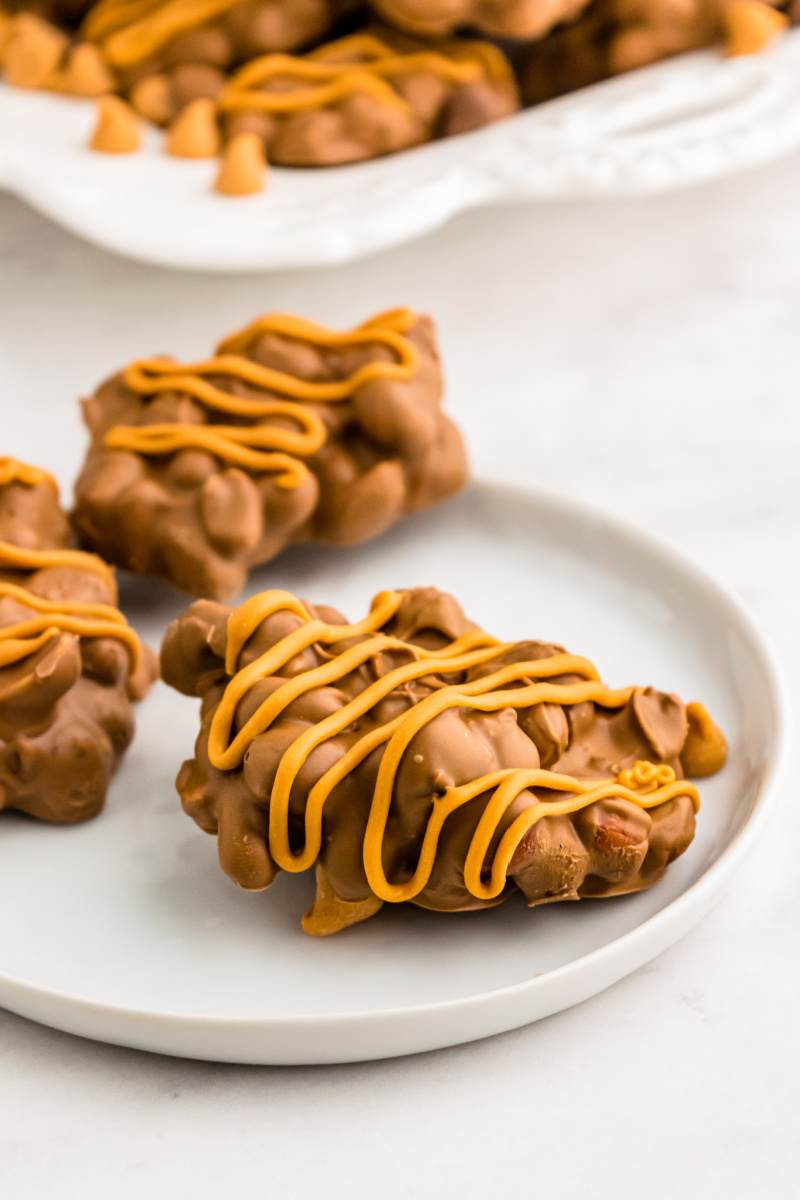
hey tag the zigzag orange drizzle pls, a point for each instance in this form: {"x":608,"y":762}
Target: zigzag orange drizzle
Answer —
{"x":130,"y":31}
{"x":20,"y":640}
{"x":263,"y":447}
{"x":332,"y":80}
{"x":646,"y":785}
{"x":16,"y":558}
{"x":14,"y":471}
{"x":24,"y":638}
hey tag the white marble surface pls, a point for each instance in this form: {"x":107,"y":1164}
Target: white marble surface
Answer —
{"x":644,"y":356}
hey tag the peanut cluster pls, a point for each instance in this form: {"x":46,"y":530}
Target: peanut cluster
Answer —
{"x":608,"y":848}
{"x":416,"y":100}
{"x":66,"y":709}
{"x":196,"y":61}
{"x":192,"y":520}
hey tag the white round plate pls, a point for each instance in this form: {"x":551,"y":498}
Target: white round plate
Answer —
{"x":694,"y":118}
{"x":127,"y":931}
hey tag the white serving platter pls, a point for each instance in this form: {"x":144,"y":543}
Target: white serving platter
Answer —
{"x":126,"y":930}
{"x":678,"y":123}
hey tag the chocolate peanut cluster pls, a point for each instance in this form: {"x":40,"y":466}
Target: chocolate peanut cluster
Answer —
{"x":413,"y":757}
{"x":367,"y":95}
{"x":291,"y":433}
{"x":70,"y":666}
{"x":166,"y":55}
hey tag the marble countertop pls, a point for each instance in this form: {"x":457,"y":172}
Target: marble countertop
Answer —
{"x":643,"y":356}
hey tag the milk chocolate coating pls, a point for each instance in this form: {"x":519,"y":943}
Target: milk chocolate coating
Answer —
{"x":524,"y":19}
{"x":66,"y":713}
{"x":201,"y":524}
{"x":610,"y":848}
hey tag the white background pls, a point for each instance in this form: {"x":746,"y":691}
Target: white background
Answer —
{"x":643,"y":356}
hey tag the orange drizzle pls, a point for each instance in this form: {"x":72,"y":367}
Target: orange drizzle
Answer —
{"x":23,"y":638}
{"x":646,"y":785}
{"x":130,"y":31}
{"x":109,"y":15}
{"x":16,"y":558}
{"x":385,"y":329}
{"x":331,"y":80}
{"x":240,"y":446}
{"x":14,"y":471}
{"x":263,"y":447}
{"x":20,"y":640}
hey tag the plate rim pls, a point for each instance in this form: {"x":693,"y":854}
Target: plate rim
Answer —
{"x":623,"y":954}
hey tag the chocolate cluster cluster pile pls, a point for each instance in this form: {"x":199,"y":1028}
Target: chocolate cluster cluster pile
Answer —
{"x":412,"y":757}
{"x":70,"y":666}
{"x":290,"y":433}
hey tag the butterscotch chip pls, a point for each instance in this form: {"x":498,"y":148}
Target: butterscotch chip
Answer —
{"x":751,"y":26}
{"x":244,"y":166}
{"x":33,"y":52}
{"x":86,"y":73}
{"x":152,"y":99}
{"x":194,"y":132}
{"x":117,"y":130}
{"x":705,"y":749}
